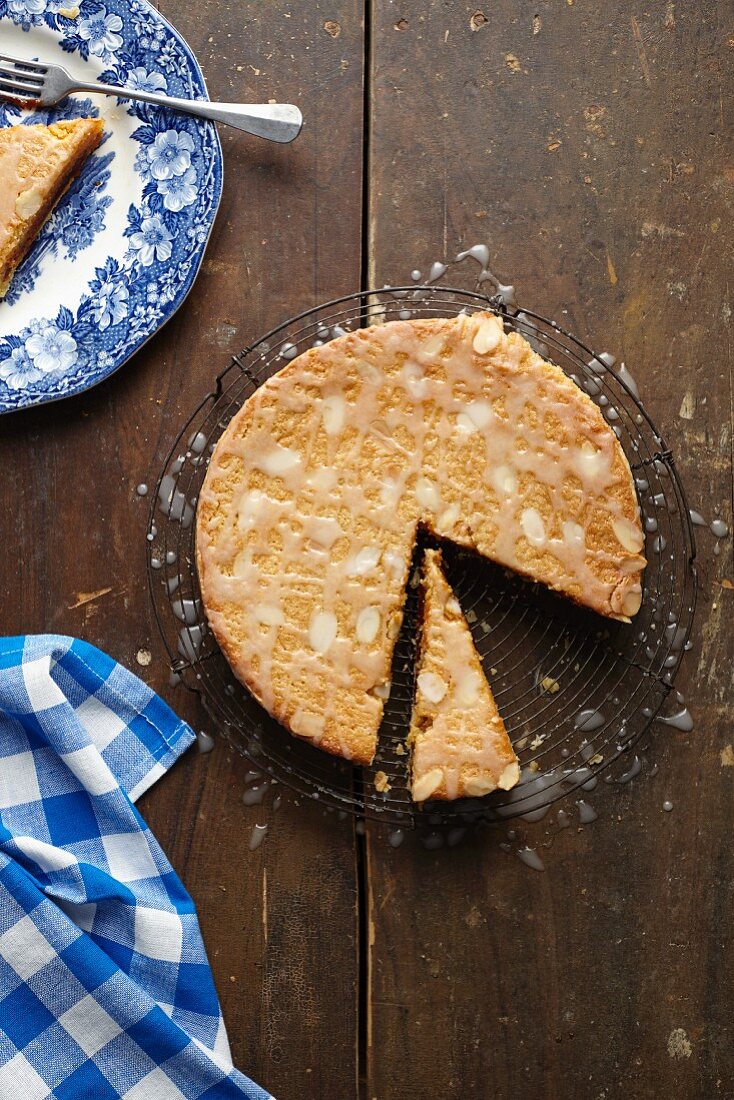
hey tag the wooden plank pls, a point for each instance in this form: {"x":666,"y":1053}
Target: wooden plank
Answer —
{"x":280,"y":922}
{"x":586,"y":144}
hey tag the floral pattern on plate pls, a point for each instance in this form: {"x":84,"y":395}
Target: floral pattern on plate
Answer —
{"x":135,"y":224}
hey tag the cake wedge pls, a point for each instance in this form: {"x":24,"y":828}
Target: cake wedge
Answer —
{"x":458,"y":742}
{"x":37,"y":164}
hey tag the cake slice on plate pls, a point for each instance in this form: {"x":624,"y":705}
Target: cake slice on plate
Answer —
{"x":37,"y":164}
{"x":459,"y":745}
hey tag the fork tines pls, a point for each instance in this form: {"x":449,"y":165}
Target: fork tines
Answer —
{"x":19,"y":63}
{"x":20,"y":79}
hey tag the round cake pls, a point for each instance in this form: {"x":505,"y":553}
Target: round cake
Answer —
{"x":307,"y":519}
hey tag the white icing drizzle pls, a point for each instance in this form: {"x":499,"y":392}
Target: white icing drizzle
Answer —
{"x":495,"y":448}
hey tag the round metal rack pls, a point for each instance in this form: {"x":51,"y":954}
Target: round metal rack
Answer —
{"x":575,"y":691}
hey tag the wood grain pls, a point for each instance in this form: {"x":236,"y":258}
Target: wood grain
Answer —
{"x":586,"y":143}
{"x":279,"y":922}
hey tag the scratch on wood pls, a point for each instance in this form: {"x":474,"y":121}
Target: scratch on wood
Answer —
{"x":640,"y":47}
{"x":83,"y":598}
{"x":387,"y":897}
{"x":610,"y":269}
{"x":727,"y":757}
{"x":687,"y":406}
{"x":651,"y":229}
{"x":679,"y":1045}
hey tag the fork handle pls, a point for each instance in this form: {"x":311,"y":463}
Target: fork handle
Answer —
{"x":274,"y":121}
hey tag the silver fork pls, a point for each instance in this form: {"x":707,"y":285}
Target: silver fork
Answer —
{"x":34,"y":84}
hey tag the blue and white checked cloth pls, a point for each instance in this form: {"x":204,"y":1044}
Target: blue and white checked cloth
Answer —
{"x":105,"y":988}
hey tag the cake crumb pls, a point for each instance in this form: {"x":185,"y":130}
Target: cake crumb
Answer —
{"x":537,"y":741}
{"x":400,"y":750}
{"x":382,"y":783}
{"x":471,"y":616}
{"x":550,"y":685}
{"x":143,"y":657}
{"x":520,"y":745}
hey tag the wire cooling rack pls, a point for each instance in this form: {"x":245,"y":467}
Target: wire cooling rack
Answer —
{"x":575,"y":690}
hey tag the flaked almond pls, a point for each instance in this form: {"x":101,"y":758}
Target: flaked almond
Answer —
{"x":573,"y":533}
{"x":382,"y":691}
{"x":531,"y":522}
{"x":465,"y":424}
{"x":628,"y":535}
{"x":333,"y":413}
{"x":432,"y":687}
{"x":269,"y":614}
{"x":394,"y":561}
{"x":487,"y":336}
{"x":28,"y":203}
{"x":480,"y":413}
{"x":427,"y":785}
{"x":431,"y":347}
{"x":364,"y":561}
{"x":368,"y":623}
{"x":448,"y":518}
{"x":452,"y":606}
{"x":509,"y":777}
{"x":427,"y":494}
{"x":309,"y":725}
{"x":632,"y":601}
{"x":504,"y":480}
{"x":322,"y":631}
{"x":590,"y":461}
{"x":478,"y":785}
{"x":413,"y":379}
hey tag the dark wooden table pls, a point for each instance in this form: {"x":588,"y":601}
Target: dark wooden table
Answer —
{"x":590,"y":144}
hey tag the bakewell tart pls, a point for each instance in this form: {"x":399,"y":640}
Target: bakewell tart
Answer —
{"x":458,"y":743}
{"x":37,"y":164}
{"x":307,"y":519}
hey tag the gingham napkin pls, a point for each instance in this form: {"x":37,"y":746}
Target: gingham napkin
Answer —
{"x":105,"y":988}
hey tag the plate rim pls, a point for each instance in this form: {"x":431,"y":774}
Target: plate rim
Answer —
{"x":218,"y":189}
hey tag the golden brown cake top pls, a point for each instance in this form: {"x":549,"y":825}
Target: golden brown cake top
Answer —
{"x":307,"y":517}
{"x":459,"y":745}
{"x":31,"y":160}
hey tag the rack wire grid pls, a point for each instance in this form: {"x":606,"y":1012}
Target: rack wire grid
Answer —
{"x":575,"y":691}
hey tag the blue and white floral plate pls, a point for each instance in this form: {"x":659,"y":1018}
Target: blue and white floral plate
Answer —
{"x":122,"y":250}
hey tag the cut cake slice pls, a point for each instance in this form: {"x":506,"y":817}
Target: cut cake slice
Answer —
{"x":459,"y":745}
{"x":37,"y":164}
